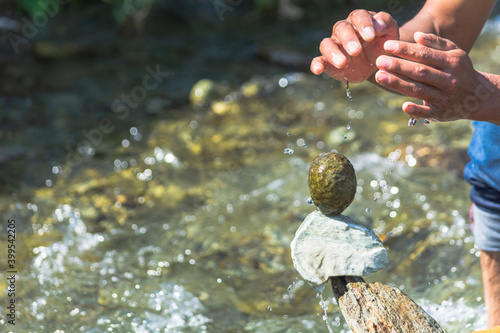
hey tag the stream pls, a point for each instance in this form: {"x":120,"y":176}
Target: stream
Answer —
{"x":161,"y":214}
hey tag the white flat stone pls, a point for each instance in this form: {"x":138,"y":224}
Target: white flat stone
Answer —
{"x":327,"y":246}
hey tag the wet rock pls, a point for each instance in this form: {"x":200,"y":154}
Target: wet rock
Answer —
{"x":56,"y":50}
{"x":327,"y":246}
{"x":332,"y":183}
{"x":205,"y":90}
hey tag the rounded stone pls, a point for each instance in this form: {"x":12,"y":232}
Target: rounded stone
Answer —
{"x":326,"y":246}
{"x":332,"y":183}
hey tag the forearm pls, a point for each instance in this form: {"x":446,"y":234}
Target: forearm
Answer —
{"x":423,"y":22}
{"x":460,"y":21}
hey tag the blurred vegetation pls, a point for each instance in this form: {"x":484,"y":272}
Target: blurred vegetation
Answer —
{"x":124,"y":9}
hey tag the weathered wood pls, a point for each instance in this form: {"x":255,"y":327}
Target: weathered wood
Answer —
{"x":374,"y":307}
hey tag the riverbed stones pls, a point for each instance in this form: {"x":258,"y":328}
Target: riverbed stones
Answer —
{"x":332,"y":183}
{"x":326,"y":246}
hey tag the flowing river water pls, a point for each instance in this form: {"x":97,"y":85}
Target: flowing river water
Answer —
{"x":181,"y":221}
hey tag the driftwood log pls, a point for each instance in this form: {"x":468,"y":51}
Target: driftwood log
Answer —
{"x":374,"y":307}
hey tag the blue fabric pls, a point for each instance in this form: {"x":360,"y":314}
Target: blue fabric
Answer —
{"x":486,"y":229}
{"x":483,"y":171}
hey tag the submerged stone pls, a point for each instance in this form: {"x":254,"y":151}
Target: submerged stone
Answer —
{"x":332,"y":183}
{"x":327,"y":246}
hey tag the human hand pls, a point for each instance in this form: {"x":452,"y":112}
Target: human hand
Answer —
{"x":355,"y":44}
{"x":436,"y":71}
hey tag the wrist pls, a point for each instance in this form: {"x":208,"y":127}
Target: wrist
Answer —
{"x":484,"y":104}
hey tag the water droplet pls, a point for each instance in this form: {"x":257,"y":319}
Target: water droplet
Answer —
{"x":347,"y":91}
{"x":269,"y":308}
{"x":348,"y":127}
{"x":368,"y":210}
{"x":324,"y":306}
{"x":345,"y":137}
{"x":288,"y":151}
{"x":310,"y":201}
{"x":287,"y":134}
{"x":304,"y":145}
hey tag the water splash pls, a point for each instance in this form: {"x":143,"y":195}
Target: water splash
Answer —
{"x":324,"y":306}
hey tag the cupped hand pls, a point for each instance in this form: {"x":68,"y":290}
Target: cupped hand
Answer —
{"x":438,"y":72}
{"x":354,"y":46}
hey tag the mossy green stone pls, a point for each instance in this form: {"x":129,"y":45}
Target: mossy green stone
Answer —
{"x":332,"y":183}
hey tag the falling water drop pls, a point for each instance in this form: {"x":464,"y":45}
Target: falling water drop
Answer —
{"x":310,"y":201}
{"x":347,"y":91}
{"x":368,"y":210}
{"x":348,"y":127}
{"x":324,"y":306}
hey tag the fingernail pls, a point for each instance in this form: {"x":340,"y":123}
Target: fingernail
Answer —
{"x":390,"y":46}
{"x":368,"y":32}
{"x":337,"y":59}
{"x":407,"y":107}
{"x":424,"y":36}
{"x":384,"y":62}
{"x":382,"y":77}
{"x":379,"y":25}
{"x":352,"y":47}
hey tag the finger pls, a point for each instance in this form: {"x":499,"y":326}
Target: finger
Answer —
{"x":417,"y":53}
{"x":320,"y":65}
{"x":332,"y":53}
{"x":363,"y":22}
{"x":385,"y":24}
{"x":317,"y":65}
{"x":434,"y":41}
{"x":419,"y":111}
{"x":415,"y":71}
{"x":348,"y":37}
{"x":407,"y":87}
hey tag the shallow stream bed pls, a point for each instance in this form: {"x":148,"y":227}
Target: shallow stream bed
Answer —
{"x":181,"y":222}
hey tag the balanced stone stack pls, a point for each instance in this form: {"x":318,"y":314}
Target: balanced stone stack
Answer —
{"x":331,"y":246}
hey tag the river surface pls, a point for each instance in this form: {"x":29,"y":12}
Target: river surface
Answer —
{"x":160,"y":215}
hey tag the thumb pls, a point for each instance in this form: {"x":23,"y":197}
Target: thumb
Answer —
{"x":434,"y":41}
